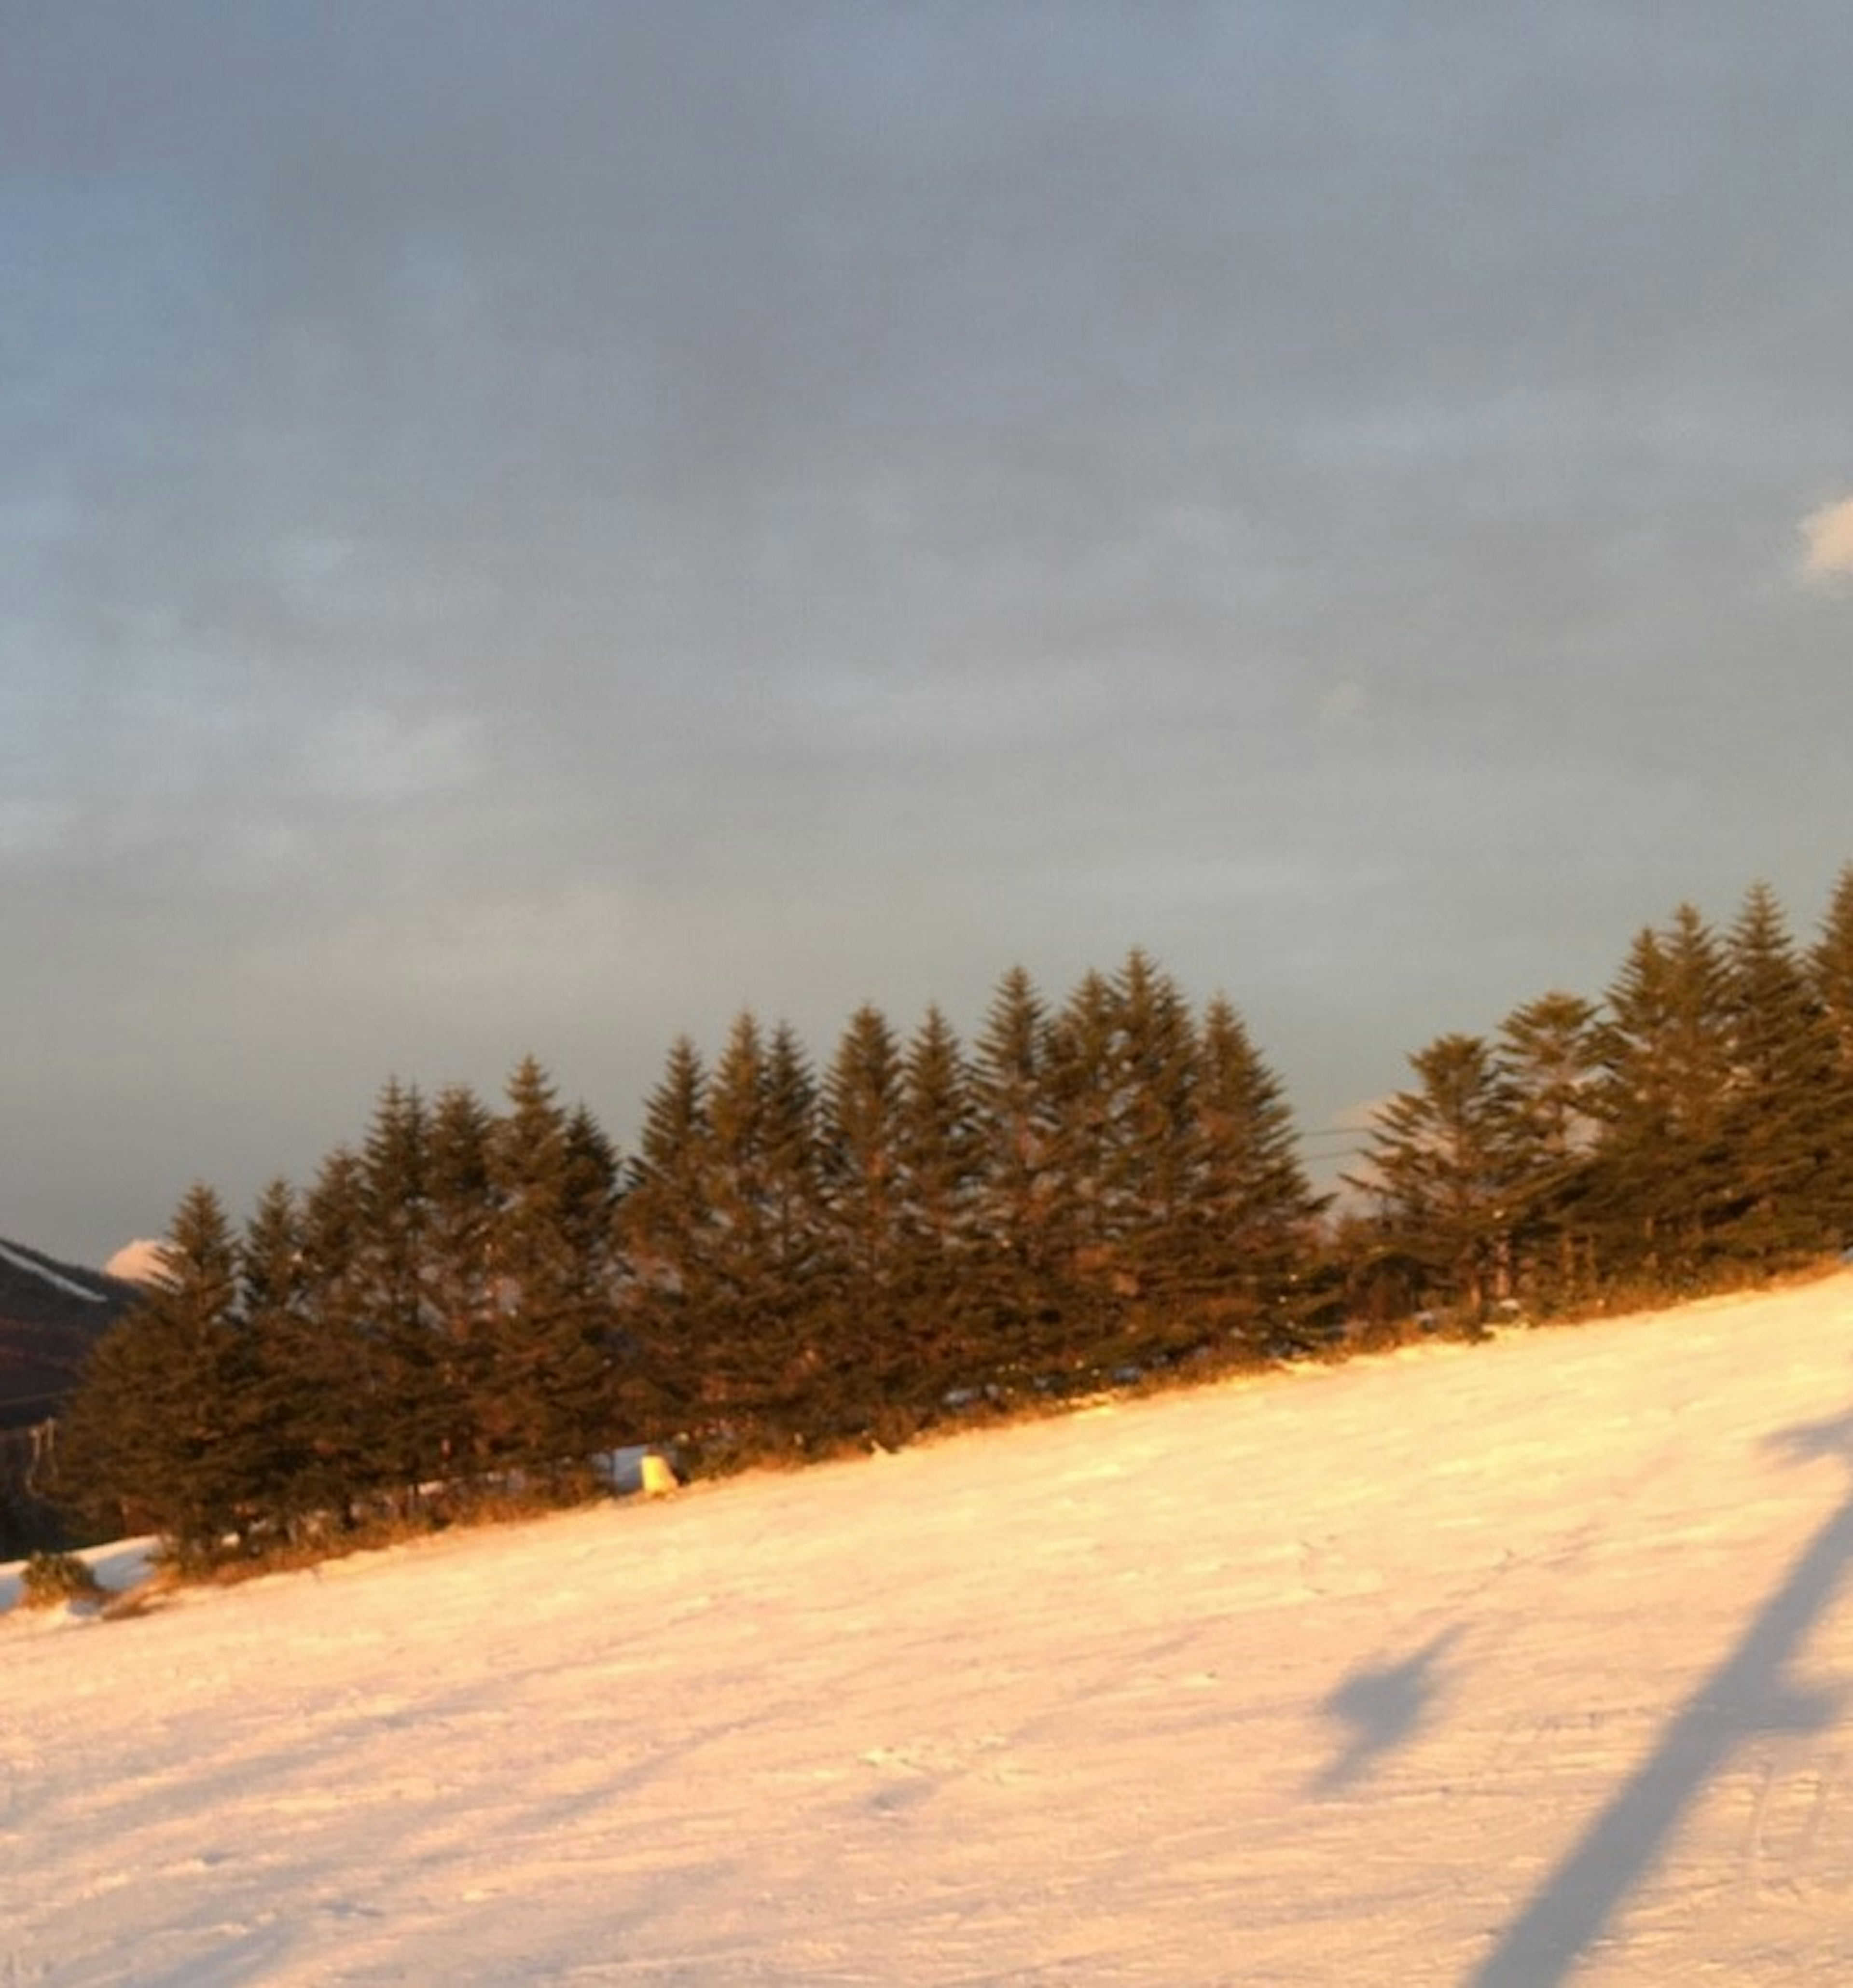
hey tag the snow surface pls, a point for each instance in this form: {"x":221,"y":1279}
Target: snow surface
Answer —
{"x":1503,"y":1666}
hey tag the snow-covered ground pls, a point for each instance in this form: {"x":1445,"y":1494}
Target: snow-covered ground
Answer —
{"x":1507,"y":1667}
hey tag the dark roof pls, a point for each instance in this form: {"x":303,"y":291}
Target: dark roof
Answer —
{"x":51,"y":1314}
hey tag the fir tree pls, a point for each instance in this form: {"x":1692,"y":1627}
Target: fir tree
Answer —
{"x":461,"y":1207}
{"x":1013,"y":1281}
{"x":745,"y":1309}
{"x":1245,"y":1237}
{"x":1084,"y":1094}
{"x":541,"y":1391}
{"x":1831,"y":974}
{"x":792,"y":1192}
{"x":164,"y":1434}
{"x":938,"y":1158}
{"x":1831,"y":966}
{"x":593,"y":1174}
{"x":1781,"y":1127}
{"x":861,"y":1360}
{"x":1439,"y":1168}
{"x":666,"y":1227}
{"x":1660,"y":1178}
{"x":1153,"y":1162}
{"x":737,"y":1186}
{"x":1547,"y":1054}
{"x":335,"y":1365}
{"x":413,"y":1416}
{"x":289,"y":1483}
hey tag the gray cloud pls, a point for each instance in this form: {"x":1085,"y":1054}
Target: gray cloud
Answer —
{"x":533,"y":533}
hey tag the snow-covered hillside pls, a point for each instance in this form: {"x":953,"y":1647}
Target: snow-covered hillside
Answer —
{"x":1504,"y":1667}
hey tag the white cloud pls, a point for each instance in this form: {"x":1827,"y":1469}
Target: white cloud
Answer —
{"x":1827,"y":539}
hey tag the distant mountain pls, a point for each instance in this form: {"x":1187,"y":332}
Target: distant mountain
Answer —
{"x":51,"y":1313}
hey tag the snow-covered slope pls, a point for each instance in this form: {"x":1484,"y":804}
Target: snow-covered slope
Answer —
{"x":1504,"y":1667}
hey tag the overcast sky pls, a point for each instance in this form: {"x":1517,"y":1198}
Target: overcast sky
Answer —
{"x":533,"y":528}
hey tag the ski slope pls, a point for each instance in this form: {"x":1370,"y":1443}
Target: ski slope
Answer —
{"x":1504,"y":1667}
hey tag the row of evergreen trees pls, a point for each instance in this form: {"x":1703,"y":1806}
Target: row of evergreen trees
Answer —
{"x":468,"y":1296}
{"x":788,"y":1257}
{"x":1696,"y":1125}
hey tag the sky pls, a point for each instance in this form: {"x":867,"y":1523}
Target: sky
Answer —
{"x":530,"y":530}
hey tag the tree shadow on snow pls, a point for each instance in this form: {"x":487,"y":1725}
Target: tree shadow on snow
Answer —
{"x":1383,"y":1706}
{"x":1748,"y":1694}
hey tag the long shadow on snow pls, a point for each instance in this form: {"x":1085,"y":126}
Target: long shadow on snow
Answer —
{"x":1746,"y":1694}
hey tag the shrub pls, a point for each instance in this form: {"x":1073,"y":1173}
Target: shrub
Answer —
{"x":49,"y":1579}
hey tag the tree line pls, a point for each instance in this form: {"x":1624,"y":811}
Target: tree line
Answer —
{"x":466,"y":1298}
{"x":793,"y":1257}
{"x":1694,"y":1127}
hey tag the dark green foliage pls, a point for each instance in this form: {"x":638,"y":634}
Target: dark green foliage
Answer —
{"x":1547,"y":1056}
{"x":1246,"y":1239}
{"x":50,"y":1579}
{"x":335,"y":1381}
{"x":1154,"y":1164}
{"x":938,"y":1155}
{"x":299,"y":1393}
{"x":472,"y":1300}
{"x":1783,"y":1122}
{"x":666,"y":1227}
{"x":412,"y":1413}
{"x":1081,"y":1079}
{"x":1660,"y":1185}
{"x":1696,"y":1128}
{"x":790,"y":1181}
{"x":1013,"y":1284}
{"x":863,"y":1353}
{"x":1830,"y":967}
{"x":539,"y":1370}
{"x":1441,"y":1170}
{"x":734,"y":1189}
{"x":163,"y":1436}
{"x":461,"y":1204}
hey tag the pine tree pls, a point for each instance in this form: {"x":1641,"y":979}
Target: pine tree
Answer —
{"x":1245,"y":1237}
{"x":1439,"y":1168}
{"x":938,"y":1158}
{"x":1830,"y":965}
{"x":861,"y":1360}
{"x":1153,"y":1163}
{"x":594,"y":1188}
{"x":461,"y":1207}
{"x":1660,"y":1182}
{"x":666,"y":1227}
{"x":413,"y":1413}
{"x":737,"y":1307}
{"x":1083,"y":1092}
{"x":1781,"y":1127}
{"x":1831,"y":974}
{"x":1013,"y":1281}
{"x":1547,"y":1055}
{"x":290,"y":1485}
{"x":792,"y":1158}
{"x":737,"y":1186}
{"x":335,"y":1367}
{"x":164,"y":1435}
{"x":541,"y":1388}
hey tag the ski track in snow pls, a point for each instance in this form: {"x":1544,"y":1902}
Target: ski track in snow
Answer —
{"x":1498,"y":1667}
